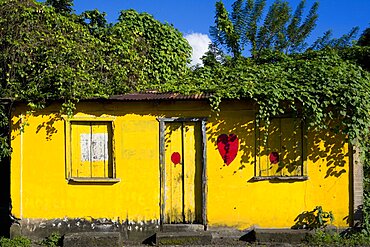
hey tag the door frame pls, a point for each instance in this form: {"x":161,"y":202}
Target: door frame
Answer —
{"x":162,"y":166}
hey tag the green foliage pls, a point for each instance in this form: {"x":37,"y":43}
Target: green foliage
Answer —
{"x":358,"y":55}
{"x":280,"y":31}
{"x":224,"y":32}
{"x":47,"y":56}
{"x":95,"y":21}
{"x":5,"y":148}
{"x":61,"y":6}
{"x":139,"y":51}
{"x":298,"y":30}
{"x":325,"y":41}
{"x":320,"y":86}
{"x":16,"y":242}
{"x":213,"y":57}
{"x":328,"y":238}
{"x":321,"y":238}
{"x":364,"y":40}
{"x":272,"y":30}
{"x":54,"y":240}
{"x":322,"y":218}
{"x":315,"y":219}
{"x":157,"y":52}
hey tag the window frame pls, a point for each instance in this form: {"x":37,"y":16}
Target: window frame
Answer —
{"x":259,"y":143}
{"x":68,"y":151}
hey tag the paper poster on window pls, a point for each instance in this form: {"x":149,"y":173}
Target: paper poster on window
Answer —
{"x":94,"y":147}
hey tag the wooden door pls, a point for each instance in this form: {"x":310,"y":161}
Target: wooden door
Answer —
{"x":183,"y":173}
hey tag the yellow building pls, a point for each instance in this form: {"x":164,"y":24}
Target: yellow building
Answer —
{"x":134,"y":163}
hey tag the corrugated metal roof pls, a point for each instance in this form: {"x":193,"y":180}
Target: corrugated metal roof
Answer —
{"x":158,"y":96}
{"x":146,"y":96}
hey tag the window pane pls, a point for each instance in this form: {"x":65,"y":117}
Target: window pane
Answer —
{"x":273,"y":154}
{"x":91,"y":149}
{"x":281,"y":153}
{"x":291,"y":147}
{"x":100,"y":143}
{"x":80,"y":151}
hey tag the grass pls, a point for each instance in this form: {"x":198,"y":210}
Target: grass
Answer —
{"x":326,"y":238}
{"x":54,"y":240}
{"x":15,"y":242}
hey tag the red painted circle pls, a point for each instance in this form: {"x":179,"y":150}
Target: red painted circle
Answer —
{"x":176,"y":158}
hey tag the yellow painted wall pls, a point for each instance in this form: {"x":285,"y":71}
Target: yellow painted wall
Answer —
{"x":39,"y":188}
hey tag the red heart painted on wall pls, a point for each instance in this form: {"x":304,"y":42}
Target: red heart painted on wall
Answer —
{"x":228,"y":146}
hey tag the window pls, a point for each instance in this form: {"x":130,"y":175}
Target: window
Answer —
{"x":89,"y":150}
{"x":281,"y":151}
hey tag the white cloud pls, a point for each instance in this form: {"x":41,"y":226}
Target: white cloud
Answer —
{"x":199,"y":42}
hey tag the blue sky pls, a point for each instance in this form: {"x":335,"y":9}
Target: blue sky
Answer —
{"x":196,"y":16}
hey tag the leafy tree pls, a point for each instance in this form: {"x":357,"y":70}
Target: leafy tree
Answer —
{"x":327,"y":40}
{"x":46,"y":55}
{"x":157,"y":52}
{"x":365,"y":38}
{"x":149,"y":51}
{"x":61,"y":6}
{"x":280,"y":30}
{"x":95,"y":21}
{"x":323,"y":41}
{"x":297,"y":31}
{"x":214,"y":56}
{"x":225,"y":32}
{"x":273,"y":28}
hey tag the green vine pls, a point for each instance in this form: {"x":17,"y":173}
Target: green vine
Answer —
{"x":319,"y":86}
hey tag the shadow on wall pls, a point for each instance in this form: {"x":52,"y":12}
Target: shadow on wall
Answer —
{"x":331,"y":151}
{"x":281,"y":147}
{"x":356,"y":220}
{"x":315,"y":219}
{"x":280,"y":153}
{"x":47,"y":125}
{"x":281,"y":150}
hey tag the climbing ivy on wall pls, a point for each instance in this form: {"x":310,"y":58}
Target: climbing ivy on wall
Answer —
{"x":319,"y":85}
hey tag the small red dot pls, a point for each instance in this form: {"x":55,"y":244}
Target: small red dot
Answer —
{"x":176,"y":158}
{"x":274,"y":157}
